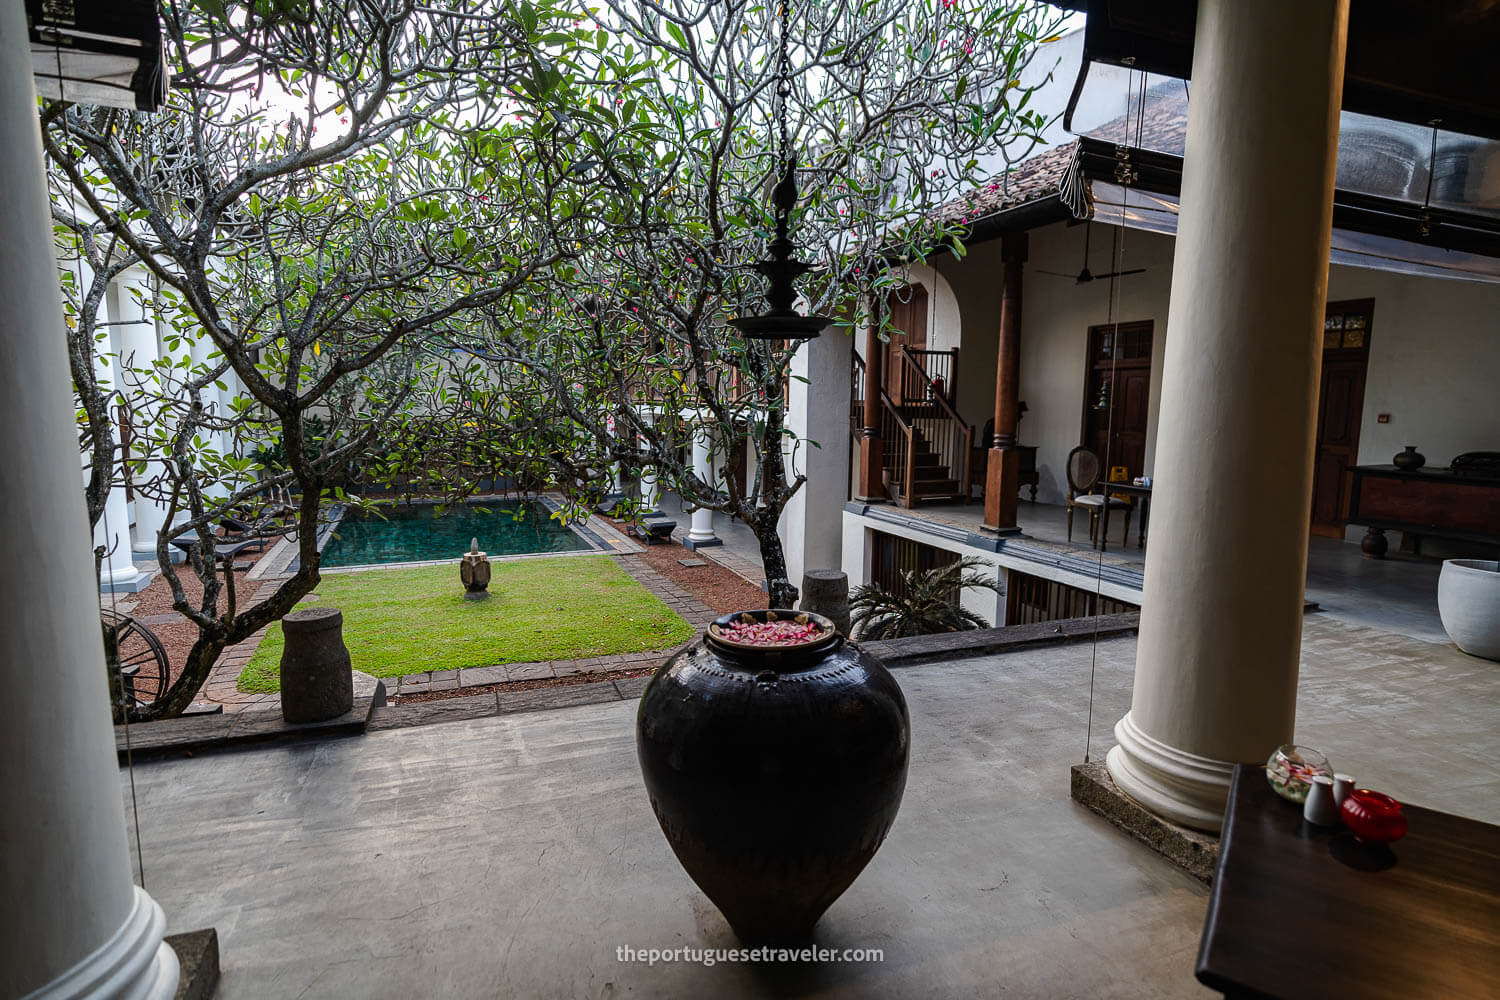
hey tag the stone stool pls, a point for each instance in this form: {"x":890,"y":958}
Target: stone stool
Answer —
{"x":826,"y":592}
{"x":317,"y":682}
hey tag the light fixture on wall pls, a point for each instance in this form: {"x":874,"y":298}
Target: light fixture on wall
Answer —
{"x":106,"y":52}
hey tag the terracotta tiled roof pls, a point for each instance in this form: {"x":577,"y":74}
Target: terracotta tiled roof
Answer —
{"x":1032,"y":179}
{"x":1161,"y":126}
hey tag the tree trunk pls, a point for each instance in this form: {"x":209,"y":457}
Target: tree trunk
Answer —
{"x":782,"y":592}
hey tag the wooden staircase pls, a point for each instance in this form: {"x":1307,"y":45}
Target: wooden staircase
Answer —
{"x":931,"y":479}
{"x":926,"y":444}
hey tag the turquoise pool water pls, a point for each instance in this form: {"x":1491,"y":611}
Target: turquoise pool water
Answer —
{"x":415,"y":532}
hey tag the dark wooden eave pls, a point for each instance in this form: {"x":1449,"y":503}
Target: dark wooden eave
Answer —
{"x":1413,"y":62}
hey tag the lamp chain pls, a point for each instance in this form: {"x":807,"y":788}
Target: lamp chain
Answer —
{"x":784,"y":83}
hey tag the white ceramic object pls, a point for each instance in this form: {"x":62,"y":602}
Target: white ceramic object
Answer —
{"x":1469,"y":605}
{"x":1320,"y":809}
{"x":1343,"y":784}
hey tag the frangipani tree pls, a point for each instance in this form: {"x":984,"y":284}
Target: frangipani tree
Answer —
{"x":332,"y":195}
{"x":890,"y":104}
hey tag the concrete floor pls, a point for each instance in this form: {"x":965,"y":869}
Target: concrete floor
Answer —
{"x":510,"y":856}
{"x":1398,"y":593}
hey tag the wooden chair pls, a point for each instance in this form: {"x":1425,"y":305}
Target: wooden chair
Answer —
{"x":1083,"y":475}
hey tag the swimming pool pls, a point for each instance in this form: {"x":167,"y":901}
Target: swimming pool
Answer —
{"x":417,"y":533}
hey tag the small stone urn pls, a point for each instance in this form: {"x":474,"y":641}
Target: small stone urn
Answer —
{"x":474,"y":571}
{"x":826,"y":592}
{"x":317,"y":681}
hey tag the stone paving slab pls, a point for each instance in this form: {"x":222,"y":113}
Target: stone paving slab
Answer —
{"x":631,"y":687}
{"x":190,"y":732}
{"x":423,"y":713}
{"x":528,"y":671}
{"x":200,"y":733}
{"x":558,"y":697}
{"x":479,"y":676}
{"x":198,"y":961}
{"x":1193,"y":851}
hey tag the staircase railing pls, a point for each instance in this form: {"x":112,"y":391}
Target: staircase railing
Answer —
{"x":856,"y":394}
{"x":936,"y":420}
{"x":924,"y":373}
{"x":897,"y":437}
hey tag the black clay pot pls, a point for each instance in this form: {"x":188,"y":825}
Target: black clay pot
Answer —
{"x":775,"y":773}
{"x":1410,"y":459}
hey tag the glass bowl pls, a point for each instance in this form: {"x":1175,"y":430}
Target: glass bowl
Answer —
{"x":1291,"y":768}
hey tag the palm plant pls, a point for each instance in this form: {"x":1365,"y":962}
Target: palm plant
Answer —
{"x":929,"y":602}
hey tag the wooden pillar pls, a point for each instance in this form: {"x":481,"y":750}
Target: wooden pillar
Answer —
{"x":871,"y":486}
{"x":1001,"y":486}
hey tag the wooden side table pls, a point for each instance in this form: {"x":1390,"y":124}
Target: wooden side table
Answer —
{"x":1300,"y":911}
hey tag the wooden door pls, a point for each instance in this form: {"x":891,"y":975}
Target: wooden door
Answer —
{"x":909,"y":322}
{"x":1341,"y":400}
{"x":1117,"y":396}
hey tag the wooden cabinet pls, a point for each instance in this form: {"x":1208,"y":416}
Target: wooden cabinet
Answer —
{"x":1437,"y":502}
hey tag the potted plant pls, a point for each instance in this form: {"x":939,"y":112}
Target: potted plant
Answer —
{"x":775,"y":753}
{"x":928,"y":603}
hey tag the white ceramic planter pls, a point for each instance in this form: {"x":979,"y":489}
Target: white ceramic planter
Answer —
{"x":1469,"y":604}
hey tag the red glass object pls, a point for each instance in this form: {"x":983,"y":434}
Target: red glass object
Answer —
{"x":1373,"y":818}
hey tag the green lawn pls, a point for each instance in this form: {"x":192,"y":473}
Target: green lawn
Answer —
{"x":401,"y":621}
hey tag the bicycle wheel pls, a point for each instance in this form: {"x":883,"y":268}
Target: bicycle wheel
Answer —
{"x":136,"y":659}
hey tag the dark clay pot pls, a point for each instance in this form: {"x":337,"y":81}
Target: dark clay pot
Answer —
{"x":1410,"y":459}
{"x":775,"y":773}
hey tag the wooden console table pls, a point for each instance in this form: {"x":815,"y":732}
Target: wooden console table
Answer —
{"x":1026,"y":474}
{"x":1300,"y":911}
{"x":1438,"y":502}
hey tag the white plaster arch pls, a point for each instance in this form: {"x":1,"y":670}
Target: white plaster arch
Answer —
{"x":944,"y":319}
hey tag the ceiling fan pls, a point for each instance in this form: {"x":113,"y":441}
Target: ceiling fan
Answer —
{"x":1084,"y":276}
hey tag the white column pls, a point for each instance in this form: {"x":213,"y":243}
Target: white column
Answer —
{"x":811,"y":526}
{"x":117,"y":573}
{"x":205,"y":355}
{"x":616,"y":479}
{"x":701,"y":535}
{"x":75,"y":925}
{"x":229,"y":440}
{"x":650,"y":490}
{"x":1221,"y":620}
{"x":166,"y":336}
{"x":139,"y":352}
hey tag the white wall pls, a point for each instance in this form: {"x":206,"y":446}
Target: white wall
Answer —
{"x":1056,"y":314}
{"x":1052,"y":72}
{"x":1434,"y":358}
{"x":976,"y":286}
{"x":944,"y":321}
{"x":1434,"y":364}
{"x":818,"y":413}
